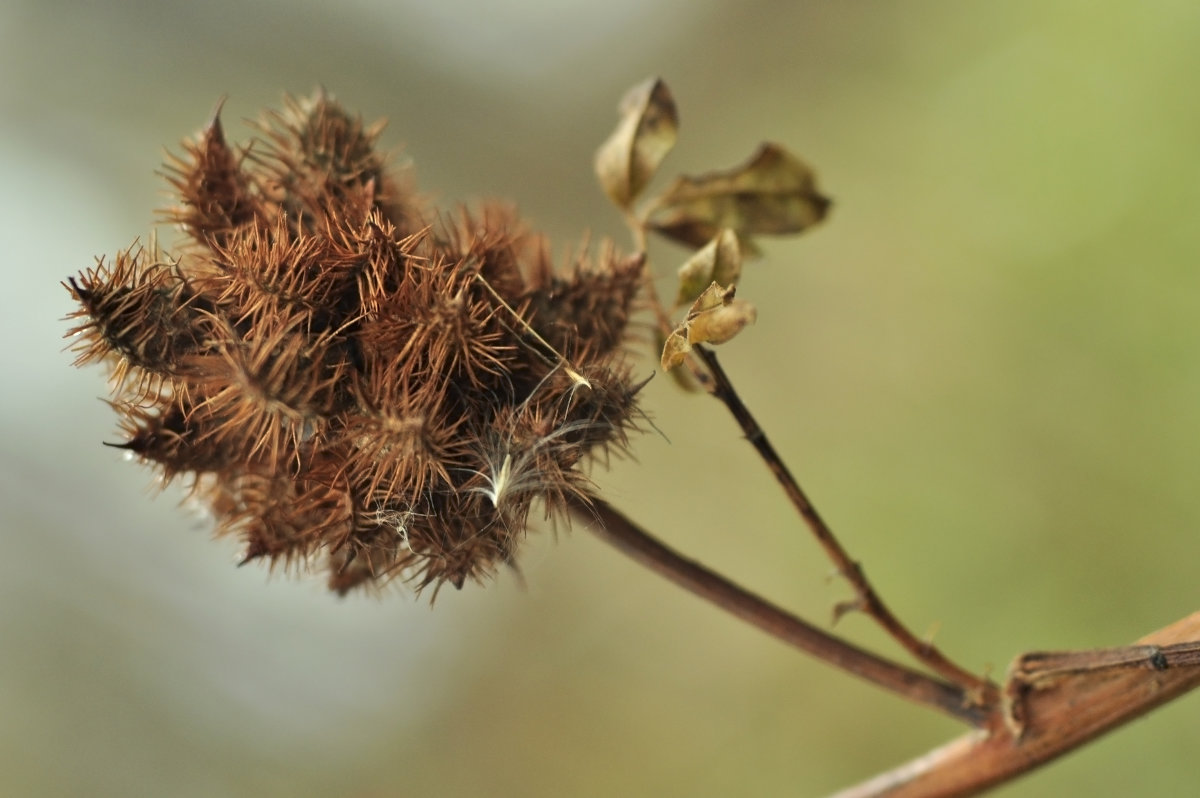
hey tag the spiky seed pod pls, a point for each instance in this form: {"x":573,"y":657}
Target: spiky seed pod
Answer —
{"x":167,"y":434}
{"x":321,"y":164}
{"x":266,"y":270}
{"x":139,"y":317}
{"x":266,"y":392}
{"x":215,"y":195}
{"x":342,"y":381}
{"x":400,"y":442}
{"x":589,"y":307}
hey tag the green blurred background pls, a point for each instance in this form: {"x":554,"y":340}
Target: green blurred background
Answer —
{"x":985,"y":368}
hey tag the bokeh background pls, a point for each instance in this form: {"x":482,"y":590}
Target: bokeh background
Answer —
{"x":985,"y":368}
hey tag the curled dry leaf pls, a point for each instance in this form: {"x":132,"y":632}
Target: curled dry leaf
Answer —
{"x":720,"y":261}
{"x":773,"y":193}
{"x":715,"y":317}
{"x":684,"y":379}
{"x":676,"y":348}
{"x":626,"y":162}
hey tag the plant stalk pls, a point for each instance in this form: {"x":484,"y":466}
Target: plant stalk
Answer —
{"x":615,"y":528}
{"x":981,"y":690}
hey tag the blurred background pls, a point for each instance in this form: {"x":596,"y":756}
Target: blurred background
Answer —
{"x":985,"y":369}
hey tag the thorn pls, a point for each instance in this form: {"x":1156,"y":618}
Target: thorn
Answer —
{"x":214,"y":124}
{"x":81,"y":294}
{"x":350,"y":557}
{"x":253,"y":552}
{"x":637,"y":387}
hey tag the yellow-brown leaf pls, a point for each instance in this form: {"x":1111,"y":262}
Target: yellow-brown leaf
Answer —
{"x":773,"y":193}
{"x":720,"y":261}
{"x":714,"y":318}
{"x":646,"y":132}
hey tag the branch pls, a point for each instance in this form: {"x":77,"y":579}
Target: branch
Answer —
{"x":1059,"y":702}
{"x":981,"y":690}
{"x":612,"y":526}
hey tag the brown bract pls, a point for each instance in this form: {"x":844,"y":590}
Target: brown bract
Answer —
{"x":345,"y":375}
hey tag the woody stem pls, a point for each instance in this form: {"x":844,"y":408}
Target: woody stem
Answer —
{"x":610,"y":525}
{"x":867,"y":600}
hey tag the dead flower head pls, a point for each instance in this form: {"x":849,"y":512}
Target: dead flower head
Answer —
{"x":343,"y":374}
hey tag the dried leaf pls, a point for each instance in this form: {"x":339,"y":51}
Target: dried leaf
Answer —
{"x":683,"y":378}
{"x":720,"y":324}
{"x":714,"y":318}
{"x":626,"y":162}
{"x":773,"y":193}
{"x":676,"y":348}
{"x":712,"y":297}
{"x":720,"y":260}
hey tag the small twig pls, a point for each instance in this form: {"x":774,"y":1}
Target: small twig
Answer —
{"x":1066,"y":700}
{"x":637,"y":228}
{"x":979,"y":689}
{"x":612,"y":526}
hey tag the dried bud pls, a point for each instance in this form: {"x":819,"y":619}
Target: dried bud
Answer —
{"x":343,"y":381}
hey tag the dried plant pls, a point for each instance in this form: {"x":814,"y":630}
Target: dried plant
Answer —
{"x":348,"y":377}
{"x":342,"y":373}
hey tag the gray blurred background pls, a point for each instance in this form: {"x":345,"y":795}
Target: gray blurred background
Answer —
{"x":985,"y":368}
